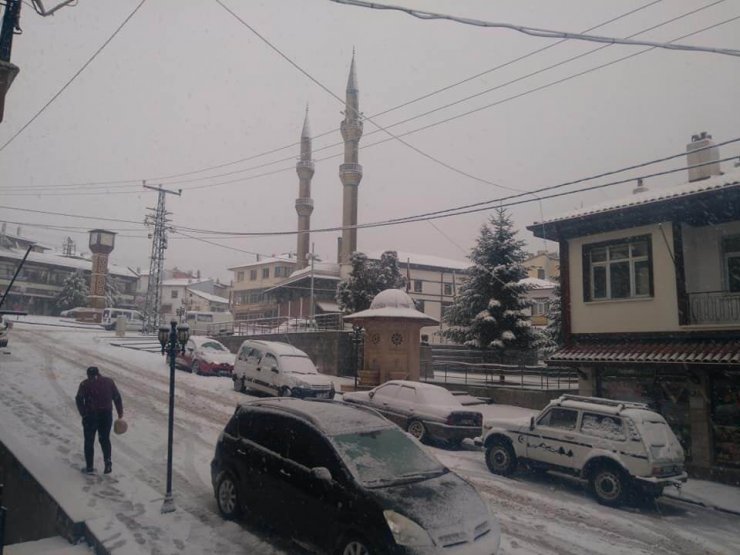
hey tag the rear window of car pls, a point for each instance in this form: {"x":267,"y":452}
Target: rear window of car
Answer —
{"x":604,"y":426}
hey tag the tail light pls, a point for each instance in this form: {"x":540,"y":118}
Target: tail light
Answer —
{"x":465,"y":419}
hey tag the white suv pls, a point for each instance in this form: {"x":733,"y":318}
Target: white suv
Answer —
{"x":614,"y":445}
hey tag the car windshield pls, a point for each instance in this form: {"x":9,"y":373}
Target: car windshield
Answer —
{"x":213,"y":346}
{"x":297,"y":364}
{"x":384,"y":457}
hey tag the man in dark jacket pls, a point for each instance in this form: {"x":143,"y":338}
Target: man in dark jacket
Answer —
{"x":95,"y":399}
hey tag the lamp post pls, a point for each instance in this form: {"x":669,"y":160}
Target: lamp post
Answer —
{"x":173,"y":340}
{"x":356,"y":342}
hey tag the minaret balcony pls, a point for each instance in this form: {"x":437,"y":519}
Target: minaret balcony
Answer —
{"x":304,"y":169}
{"x":350,"y":174}
{"x":351,"y":129}
{"x":304,"y":206}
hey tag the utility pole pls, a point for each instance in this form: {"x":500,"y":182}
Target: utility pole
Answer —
{"x":8,"y":71}
{"x":311,"y":308}
{"x":158,"y":218}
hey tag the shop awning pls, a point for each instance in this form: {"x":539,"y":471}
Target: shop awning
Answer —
{"x":654,"y":352}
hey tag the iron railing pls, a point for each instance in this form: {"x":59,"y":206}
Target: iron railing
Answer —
{"x":265,"y":326}
{"x":505,"y":375}
{"x":714,"y":307}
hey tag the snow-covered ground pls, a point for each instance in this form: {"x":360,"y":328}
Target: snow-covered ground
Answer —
{"x":43,"y":365}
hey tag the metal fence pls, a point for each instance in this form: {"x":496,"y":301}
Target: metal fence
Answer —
{"x":503,"y":375}
{"x":265,"y":326}
{"x":714,"y":307}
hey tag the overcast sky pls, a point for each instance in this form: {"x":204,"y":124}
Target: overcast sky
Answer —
{"x":185,"y":86}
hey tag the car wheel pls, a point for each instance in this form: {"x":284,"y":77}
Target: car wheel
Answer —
{"x":609,"y":485}
{"x":417,"y":429}
{"x":285,"y":391}
{"x":227,"y":496}
{"x":195,"y":368}
{"x":355,"y":546}
{"x":500,"y":458}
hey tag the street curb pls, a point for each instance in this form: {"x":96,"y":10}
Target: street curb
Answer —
{"x":702,"y":504}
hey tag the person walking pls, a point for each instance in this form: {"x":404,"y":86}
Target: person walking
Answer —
{"x":95,"y":398}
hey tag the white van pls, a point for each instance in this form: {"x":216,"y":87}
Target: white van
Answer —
{"x":279,"y":369}
{"x":210,"y":323}
{"x":134,"y":318}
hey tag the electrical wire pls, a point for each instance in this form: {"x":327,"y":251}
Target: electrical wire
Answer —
{"x":537,"y":32}
{"x":76,"y":74}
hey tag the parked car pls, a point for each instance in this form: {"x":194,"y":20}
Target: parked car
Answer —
{"x":134,"y":318}
{"x":279,"y":369}
{"x":210,"y":323}
{"x":342,"y":479}
{"x":426,"y":411}
{"x":204,"y":355}
{"x":614,"y":445}
{"x":4,"y":331}
{"x":73,"y":312}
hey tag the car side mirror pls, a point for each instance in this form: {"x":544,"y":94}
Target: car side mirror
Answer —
{"x":321,"y":473}
{"x":274,"y":369}
{"x":371,"y":394}
{"x":531,"y":423}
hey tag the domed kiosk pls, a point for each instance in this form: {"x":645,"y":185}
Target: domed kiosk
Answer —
{"x":392,"y":347}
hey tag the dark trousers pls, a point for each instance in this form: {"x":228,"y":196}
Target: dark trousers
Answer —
{"x":100,"y":423}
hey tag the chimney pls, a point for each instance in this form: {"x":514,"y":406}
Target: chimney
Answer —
{"x":641,"y":188}
{"x":708,"y":156}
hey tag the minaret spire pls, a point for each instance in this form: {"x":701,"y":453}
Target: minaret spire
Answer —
{"x":350,"y":172}
{"x":304,"y":203}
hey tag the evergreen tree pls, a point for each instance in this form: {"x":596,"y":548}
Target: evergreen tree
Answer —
{"x":554,"y":330}
{"x":368,"y":278}
{"x":491,"y":310}
{"x":73,"y":294}
{"x":112,"y":293}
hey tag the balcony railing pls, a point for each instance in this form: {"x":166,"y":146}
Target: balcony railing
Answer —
{"x":714,"y":307}
{"x":280,"y":325}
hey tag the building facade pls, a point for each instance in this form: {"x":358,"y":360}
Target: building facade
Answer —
{"x":651,"y":308}
{"x":251,"y":281}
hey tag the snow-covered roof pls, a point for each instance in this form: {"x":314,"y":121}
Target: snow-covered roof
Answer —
{"x":423,"y":260}
{"x":265,"y":260}
{"x":536,"y":283}
{"x":54,"y":259}
{"x":323,"y":269}
{"x":392,"y":303}
{"x":182,"y":282}
{"x":208,"y":296}
{"x":716,"y":183}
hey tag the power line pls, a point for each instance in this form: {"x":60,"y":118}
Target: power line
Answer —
{"x":452,"y":118}
{"x":536,"y":32}
{"x":77,"y":74}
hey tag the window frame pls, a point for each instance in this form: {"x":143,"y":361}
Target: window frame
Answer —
{"x":588,"y":268}
{"x":727,"y":255}
{"x":418,"y":286}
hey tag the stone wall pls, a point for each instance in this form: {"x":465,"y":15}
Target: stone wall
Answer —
{"x":331,"y":351}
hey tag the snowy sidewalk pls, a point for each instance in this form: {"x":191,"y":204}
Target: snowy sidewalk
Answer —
{"x":709,"y":494}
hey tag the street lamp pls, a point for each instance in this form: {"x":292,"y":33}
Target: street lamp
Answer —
{"x":173,"y":340}
{"x":356,"y":343}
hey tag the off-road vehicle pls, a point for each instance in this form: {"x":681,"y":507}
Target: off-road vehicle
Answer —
{"x":616,"y":446}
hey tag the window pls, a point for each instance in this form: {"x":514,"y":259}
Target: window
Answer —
{"x":387,"y":391}
{"x":541,"y":307}
{"x":268,"y":430}
{"x":407,"y":394}
{"x":173,"y":294}
{"x":559,"y":418}
{"x":265,"y":273}
{"x":618,"y":270}
{"x":282,"y":271}
{"x":731,"y":251}
{"x":603,"y":425}
{"x":240,"y":276}
{"x":417,"y":286}
{"x":540,"y":273}
{"x":447,"y":288}
{"x":252,"y":275}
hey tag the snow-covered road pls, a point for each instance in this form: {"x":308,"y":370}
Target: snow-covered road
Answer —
{"x":43,"y":366}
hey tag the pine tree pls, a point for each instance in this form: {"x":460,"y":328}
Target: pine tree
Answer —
{"x":368,"y":278}
{"x":112,"y":293}
{"x":73,"y":294}
{"x":491,"y":309}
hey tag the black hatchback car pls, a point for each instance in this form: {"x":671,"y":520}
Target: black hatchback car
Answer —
{"x":345,"y":480}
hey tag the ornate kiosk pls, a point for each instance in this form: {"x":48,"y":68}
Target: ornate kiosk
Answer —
{"x":392,"y":343}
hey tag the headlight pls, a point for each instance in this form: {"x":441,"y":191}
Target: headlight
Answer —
{"x":405,"y":531}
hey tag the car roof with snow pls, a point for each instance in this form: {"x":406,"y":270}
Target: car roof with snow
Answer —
{"x":277,"y":347}
{"x":416,"y":385}
{"x":638,"y":411}
{"x":332,"y":417}
{"x":200,"y":339}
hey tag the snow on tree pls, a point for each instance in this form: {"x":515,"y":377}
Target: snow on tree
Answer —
{"x":74,"y":292}
{"x":368,"y":278}
{"x":491,"y":309}
{"x":112,"y":293}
